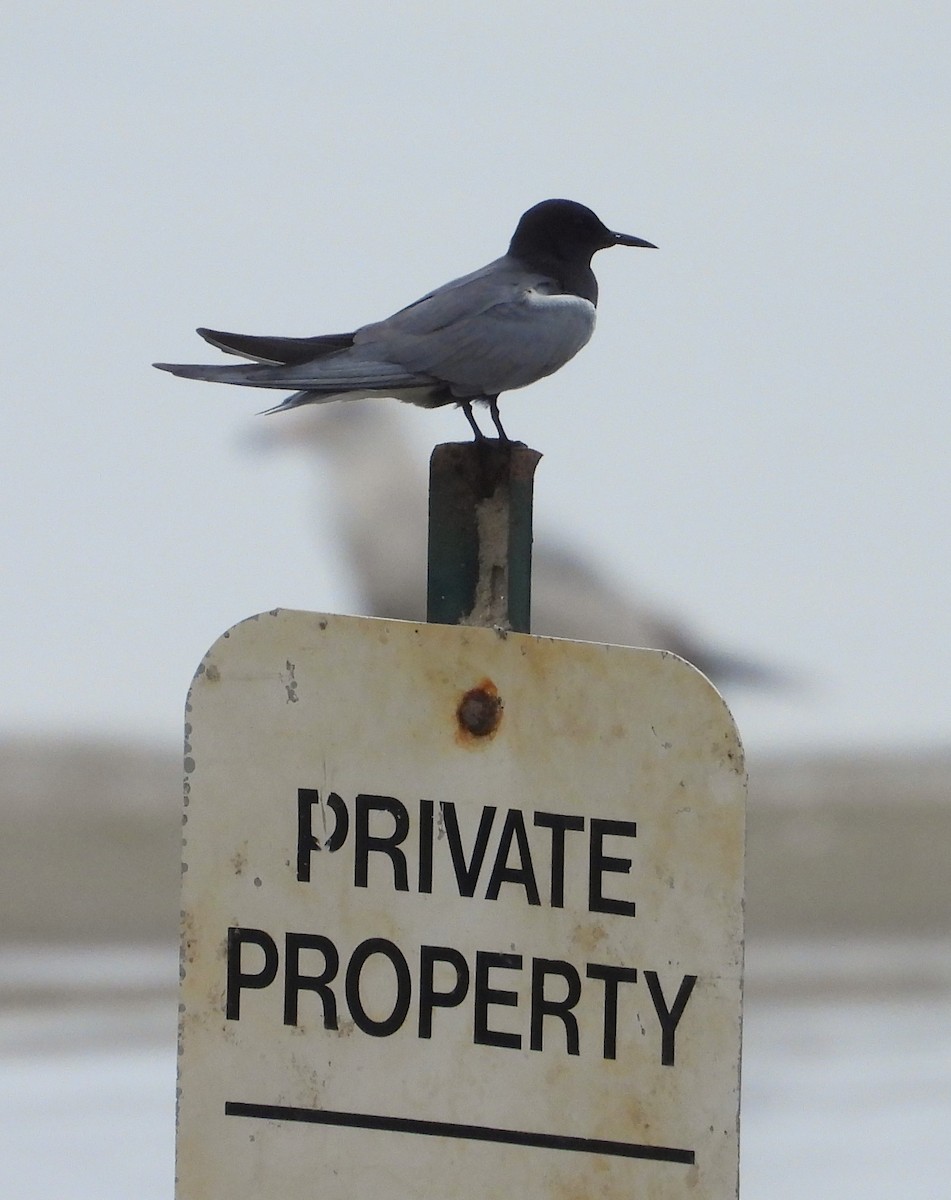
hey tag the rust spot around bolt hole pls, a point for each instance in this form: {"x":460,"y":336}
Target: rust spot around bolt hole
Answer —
{"x":479,"y":713}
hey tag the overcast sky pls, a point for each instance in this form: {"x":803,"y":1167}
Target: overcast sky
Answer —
{"x":757,"y":436}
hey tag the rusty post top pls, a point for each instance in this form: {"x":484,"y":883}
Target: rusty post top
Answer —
{"x":480,"y":534}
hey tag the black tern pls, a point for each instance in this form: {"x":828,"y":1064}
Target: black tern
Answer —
{"x":502,"y":327}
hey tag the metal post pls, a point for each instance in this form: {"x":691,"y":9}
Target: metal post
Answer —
{"x":480,"y":534}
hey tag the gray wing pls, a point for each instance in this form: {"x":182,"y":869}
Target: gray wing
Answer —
{"x":364,"y":361}
{"x":494,"y":332}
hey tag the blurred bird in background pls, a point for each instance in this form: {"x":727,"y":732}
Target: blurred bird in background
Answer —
{"x":379,"y":497}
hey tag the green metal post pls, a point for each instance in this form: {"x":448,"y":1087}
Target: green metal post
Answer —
{"x":480,"y":534}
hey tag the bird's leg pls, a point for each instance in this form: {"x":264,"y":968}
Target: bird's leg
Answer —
{"x":494,"y":413}
{"x":466,"y":406}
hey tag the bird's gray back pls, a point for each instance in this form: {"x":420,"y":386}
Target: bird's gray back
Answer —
{"x":466,"y":296}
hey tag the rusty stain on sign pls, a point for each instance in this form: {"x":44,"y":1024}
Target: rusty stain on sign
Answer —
{"x":480,"y":711}
{"x":465,"y":915}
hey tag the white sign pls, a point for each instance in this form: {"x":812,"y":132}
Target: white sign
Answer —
{"x":462,"y":916}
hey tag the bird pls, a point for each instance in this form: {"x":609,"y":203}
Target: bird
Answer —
{"x":373,"y":509}
{"x":504,"y":326}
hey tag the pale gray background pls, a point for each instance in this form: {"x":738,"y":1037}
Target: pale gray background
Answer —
{"x":758,"y":433}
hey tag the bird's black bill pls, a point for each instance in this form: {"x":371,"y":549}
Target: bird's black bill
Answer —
{"x":625,"y":239}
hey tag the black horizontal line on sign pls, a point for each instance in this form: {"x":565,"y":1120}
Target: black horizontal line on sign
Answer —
{"x":475,"y":1133}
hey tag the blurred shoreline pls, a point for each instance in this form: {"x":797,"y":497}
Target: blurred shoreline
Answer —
{"x":838,"y":845}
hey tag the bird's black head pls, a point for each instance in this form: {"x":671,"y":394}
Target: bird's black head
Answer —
{"x":559,"y":238}
{"x":566,"y":230}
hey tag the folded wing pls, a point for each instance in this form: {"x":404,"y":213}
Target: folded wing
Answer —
{"x":505,"y":345}
{"x":288,"y":350}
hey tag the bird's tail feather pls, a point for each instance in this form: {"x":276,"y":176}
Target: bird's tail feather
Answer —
{"x":299,"y":398}
{"x":277,"y":350}
{"x":247,"y":375}
{"x":330,"y":376}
